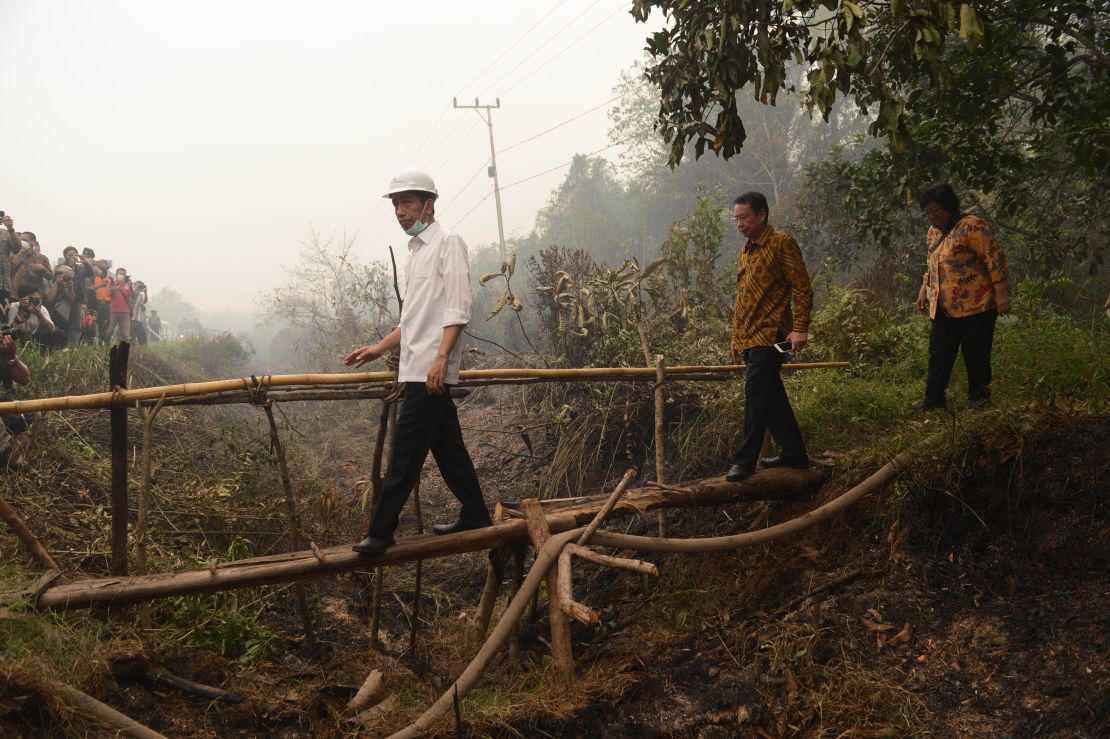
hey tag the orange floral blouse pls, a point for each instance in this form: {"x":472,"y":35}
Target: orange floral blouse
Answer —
{"x":963,"y":267}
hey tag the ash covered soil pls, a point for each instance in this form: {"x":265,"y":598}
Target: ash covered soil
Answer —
{"x":973,"y":604}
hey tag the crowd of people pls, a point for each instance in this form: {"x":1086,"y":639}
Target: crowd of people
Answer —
{"x":79,"y":298}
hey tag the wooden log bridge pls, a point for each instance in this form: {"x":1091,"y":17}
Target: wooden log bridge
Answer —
{"x":561,"y":514}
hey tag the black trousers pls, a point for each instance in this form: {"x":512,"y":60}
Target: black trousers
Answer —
{"x":766,"y":407}
{"x":973,"y":336}
{"x":427,"y":422}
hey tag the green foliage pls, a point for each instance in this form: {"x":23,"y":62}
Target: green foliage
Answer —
{"x":205,"y":357}
{"x":692,"y":282}
{"x":890,"y":58}
{"x":850,"y":326}
{"x":219,"y":623}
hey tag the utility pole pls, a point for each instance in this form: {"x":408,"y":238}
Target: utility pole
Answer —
{"x":492,"y":171}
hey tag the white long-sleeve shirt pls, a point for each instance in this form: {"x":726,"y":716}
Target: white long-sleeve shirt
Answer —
{"x":437,"y":295}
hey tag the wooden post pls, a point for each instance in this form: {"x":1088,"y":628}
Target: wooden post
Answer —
{"x":15,"y":523}
{"x":117,"y":381}
{"x":660,"y":438}
{"x":538,"y":532}
{"x":519,"y":550}
{"x":291,"y":511}
{"x":383,"y":454}
{"x":141,"y":555}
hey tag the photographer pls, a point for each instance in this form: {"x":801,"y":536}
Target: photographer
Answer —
{"x":30,"y":266}
{"x":138,"y":312}
{"x":30,"y":321}
{"x":61,"y":302}
{"x":14,"y":436}
{"x":119,"y":319}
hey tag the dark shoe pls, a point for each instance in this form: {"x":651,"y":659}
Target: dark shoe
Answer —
{"x":975,"y":403}
{"x":441,"y":529}
{"x":372,"y":545}
{"x":928,"y":405}
{"x":781,"y":461}
{"x":736,"y":473}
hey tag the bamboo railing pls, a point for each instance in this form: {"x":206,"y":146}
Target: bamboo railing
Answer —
{"x":373,"y":382}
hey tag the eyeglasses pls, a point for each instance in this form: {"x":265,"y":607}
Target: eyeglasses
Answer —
{"x":743,"y":218}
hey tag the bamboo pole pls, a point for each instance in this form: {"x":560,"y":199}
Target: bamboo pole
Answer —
{"x":614,"y":497}
{"x":105,"y":713}
{"x":383,"y":454}
{"x":561,"y":649}
{"x":291,"y":511}
{"x":660,"y":437}
{"x":19,"y":528}
{"x":117,"y":380}
{"x":504,"y":376}
{"x":774,"y":484}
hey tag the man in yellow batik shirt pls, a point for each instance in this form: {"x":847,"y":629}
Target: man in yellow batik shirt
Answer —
{"x":770,"y":276}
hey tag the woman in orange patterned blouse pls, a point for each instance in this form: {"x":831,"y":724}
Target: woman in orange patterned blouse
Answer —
{"x":963,"y":292}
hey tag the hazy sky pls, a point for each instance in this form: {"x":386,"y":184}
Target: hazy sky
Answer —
{"x":196,"y":142}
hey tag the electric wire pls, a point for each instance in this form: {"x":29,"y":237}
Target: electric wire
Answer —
{"x":512,"y":146}
{"x":539,"y":48}
{"x":444,"y":140}
{"x":511,"y":47}
{"x":562,"y":51}
{"x":451,"y":155}
{"x":534,"y":176}
{"x":462,"y":189}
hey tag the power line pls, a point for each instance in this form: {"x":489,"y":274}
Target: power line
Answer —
{"x":466,"y":136}
{"x":458,"y":122}
{"x":462,"y":189}
{"x":564,"y":49}
{"x":560,"y":125}
{"x":511,"y":47}
{"x":538,"y":174}
{"x":540,"y":47}
{"x":429,"y":134}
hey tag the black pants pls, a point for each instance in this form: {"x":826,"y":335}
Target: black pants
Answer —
{"x":767,"y":407}
{"x":427,"y":422}
{"x":971,"y":335}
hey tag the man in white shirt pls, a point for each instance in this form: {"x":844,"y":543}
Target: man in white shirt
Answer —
{"x":436,"y":309}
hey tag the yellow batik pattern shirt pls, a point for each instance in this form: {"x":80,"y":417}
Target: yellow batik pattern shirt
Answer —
{"x":963,"y":267}
{"x":771,"y":273}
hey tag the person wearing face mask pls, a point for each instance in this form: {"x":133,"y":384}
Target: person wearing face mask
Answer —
{"x":436,"y":309}
{"x":119,"y":320}
{"x":30,"y":266}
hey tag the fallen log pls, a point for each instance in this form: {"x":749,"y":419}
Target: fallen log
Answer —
{"x":773,"y":484}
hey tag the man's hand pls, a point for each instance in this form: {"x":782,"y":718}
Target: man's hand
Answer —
{"x":437,"y":374}
{"x":797,"y":339}
{"x":923,"y":299}
{"x":362,"y":355}
{"x":7,"y":347}
{"x":8,"y":223}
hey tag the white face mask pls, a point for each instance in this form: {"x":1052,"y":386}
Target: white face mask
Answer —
{"x":26,"y":244}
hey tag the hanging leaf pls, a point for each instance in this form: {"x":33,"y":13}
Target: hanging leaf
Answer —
{"x":487,"y":277}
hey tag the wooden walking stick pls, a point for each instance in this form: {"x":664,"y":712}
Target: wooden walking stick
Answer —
{"x":117,"y":382}
{"x":660,"y":437}
{"x":419,"y":567}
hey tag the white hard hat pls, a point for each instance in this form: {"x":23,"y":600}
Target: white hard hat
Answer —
{"x":411,"y":180}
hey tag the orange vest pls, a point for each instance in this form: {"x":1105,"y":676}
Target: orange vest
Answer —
{"x":103,"y":287}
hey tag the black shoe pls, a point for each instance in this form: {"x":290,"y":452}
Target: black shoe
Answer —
{"x":781,"y":461}
{"x":736,"y":473}
{"x":928,"y":405}
{"x":974,"y":403}
{"x":372,"y":545}
{"x":453,"y":528}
